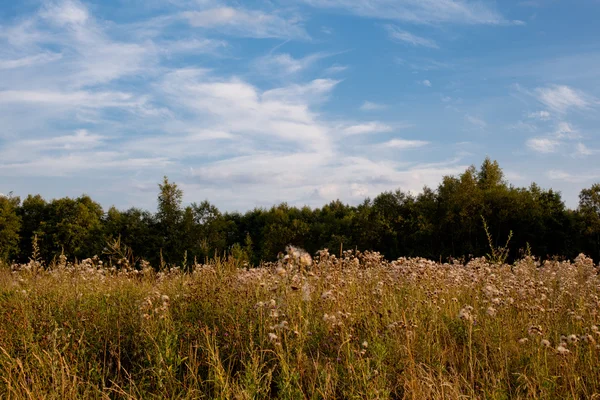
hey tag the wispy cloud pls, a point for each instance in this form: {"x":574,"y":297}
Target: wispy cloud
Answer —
{"x":400,"y":35}
{"x":541,"y":115}
{"x":476,"y":121}
{"x":335,"y":69}
{"x":365,"y":128}
{"x":403,"y":144}
{"x":28,"y":61}
{"x":543,"y":144}
{"x":420,"y":12}
{"x":560,"y":140}
{"x":246,"y":23}
{"x":426,"y":83}
{"x":581,"y":150}
{"x":284,"y":64}
{"x":561,"y":175}
{"x":372,"y":106}
{"x":561,"y":98}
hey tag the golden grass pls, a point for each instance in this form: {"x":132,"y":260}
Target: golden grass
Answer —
{"x":351,"y":327}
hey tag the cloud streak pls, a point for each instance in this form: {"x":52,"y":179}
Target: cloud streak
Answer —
{"x":401,"y":35}
{"x":562,"y":98}
{"x":420,"y":12}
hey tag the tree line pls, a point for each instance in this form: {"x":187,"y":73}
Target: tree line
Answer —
{"x":443,"y":223}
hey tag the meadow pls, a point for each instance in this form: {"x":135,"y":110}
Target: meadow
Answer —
{"x":353,"y":326}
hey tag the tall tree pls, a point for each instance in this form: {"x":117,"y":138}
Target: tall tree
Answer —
{"x":34,"y":212}
{"x":589,"y":208}
{"x":74,"y":226}
{"x":10,"y":225}
{"x":169,"y":217}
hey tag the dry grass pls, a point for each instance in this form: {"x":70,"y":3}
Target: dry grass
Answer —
{"x":355,"y":327}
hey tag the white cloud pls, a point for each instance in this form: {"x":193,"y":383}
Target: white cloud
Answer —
{"x":564,"y":130}
{"x":192,"y":46}
{"x":67,"y":12}
{"x":403,"y":36}
{"x":335,"y":69}
{"x":84,"y":97}
{"x":541,"y":115}
{"x":422,"y":12}
{"x":543,"y":145}
{"x":80,"y":163}
{"x":232,"y":105}
{"x":560,"y":175}
{"x":426,"y":83}
{"x":71,"y":154}
{"x":27,"y":61}
{"x":581,"y":150}
{"x":561,"y":139}
{"x":88,"y":56}
{"x":80,"y":140}
{"x":371,"y":106}
{"x":368,"y":127}
{"x":285,"y":64}
{"x":561,"y":98}
{"x":402,"y":144}
{"x":246,"y":23}
{"x":313,"y":92}
{"x":478,"y":122}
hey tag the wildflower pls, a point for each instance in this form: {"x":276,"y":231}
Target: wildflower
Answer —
{"x":306,"y":290}
{"x":272,"y":336}
{"x":572,"y":339}
{"x":491,"y":311}
{"x":534,"y":330}
{"x":465,"y":313}
{"x":305,"y":260}
{"x":365,"y":344}
{"x":563,"y":351}
{"x":523,"y":340}
{"x":588,"y":339}
{"x":327,"y":295}
{"x":545,"y":342}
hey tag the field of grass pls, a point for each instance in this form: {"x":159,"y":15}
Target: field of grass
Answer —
{"x":334,"y":327}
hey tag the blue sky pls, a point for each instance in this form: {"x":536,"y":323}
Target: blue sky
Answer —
{"x":251,"y":103}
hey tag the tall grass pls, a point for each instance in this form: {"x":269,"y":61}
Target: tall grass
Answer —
{"x":350,"y":327}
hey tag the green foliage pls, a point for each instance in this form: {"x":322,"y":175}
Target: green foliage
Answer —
{"x":10,"y":227}
{"x":589,"y":209}
{"x":439,"y":223}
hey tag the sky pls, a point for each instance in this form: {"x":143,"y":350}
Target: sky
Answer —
{"x":252,"y":103}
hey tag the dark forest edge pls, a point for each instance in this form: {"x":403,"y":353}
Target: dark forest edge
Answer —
{"x":438,"y":224}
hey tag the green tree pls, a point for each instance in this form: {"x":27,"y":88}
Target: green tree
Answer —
{"x":589,"y":209}
{"x":136,"y":229}
{"x":10,"y":225}
{"x":73,"y":226}
{"x":169,"y":218}
{"x":34,"y":212}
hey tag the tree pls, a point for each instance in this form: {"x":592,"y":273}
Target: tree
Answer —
{"x":74,"y":227}
{"x":10,"y":225}
{"x":210,"y":229}
{"x":589,"y":208}
{"x":490,"y":175}
{"x":34,"y":212}
{"x":169,"y":217}
{"x":135,"y":228}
